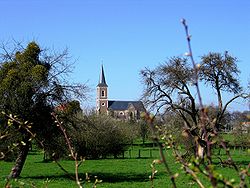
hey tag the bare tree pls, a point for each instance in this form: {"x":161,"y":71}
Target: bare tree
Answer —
{"x":172,"y":86}
{"x":220,"y":72}
{"x":169,"y":87}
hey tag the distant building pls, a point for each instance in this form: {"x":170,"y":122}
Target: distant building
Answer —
{"x":119,"y":109}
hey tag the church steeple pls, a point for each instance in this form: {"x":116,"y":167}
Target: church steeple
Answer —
{"x":102,"y":94}
{"x":102,"y":81}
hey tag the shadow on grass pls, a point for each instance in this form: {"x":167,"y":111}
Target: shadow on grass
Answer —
{"x":238,"y":163}
{"x":105,"y":177}
{"x":121,"y":177}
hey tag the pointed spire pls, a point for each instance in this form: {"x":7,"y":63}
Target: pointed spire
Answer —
{"x":102,"y":81}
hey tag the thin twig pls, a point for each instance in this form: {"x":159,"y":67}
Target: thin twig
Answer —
{"x":72,"y":153}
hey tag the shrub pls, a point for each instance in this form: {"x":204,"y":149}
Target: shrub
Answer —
{"x":102,"y":136}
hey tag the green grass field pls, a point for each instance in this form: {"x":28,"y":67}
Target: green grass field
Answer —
{"x":127,"y":172}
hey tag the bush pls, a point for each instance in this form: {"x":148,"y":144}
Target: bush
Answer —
{"x":241,"y":135}
{"x":102,"y":136}
{"x":92,"y":137}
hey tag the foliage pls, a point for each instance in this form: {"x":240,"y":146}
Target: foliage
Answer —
{"x":144,"y":130}
{"x":239,"y":121}
{"x":241,"y":134}
{"x":70,"y":114}
{"x":172,"y":124}
{"x":92,"y":136}
{"x":32,"y":84}
{"x":103,"y":136}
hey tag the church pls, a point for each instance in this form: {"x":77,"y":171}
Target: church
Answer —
{"x":125,"y":110}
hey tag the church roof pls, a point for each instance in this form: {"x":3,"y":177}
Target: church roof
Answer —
{"x":102,"y":81}
{"x":124,"y":105}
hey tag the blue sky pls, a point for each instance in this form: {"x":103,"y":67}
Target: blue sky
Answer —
{"x":128,"y":35}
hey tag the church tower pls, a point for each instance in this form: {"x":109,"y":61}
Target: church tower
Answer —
{"x":102,"y":95}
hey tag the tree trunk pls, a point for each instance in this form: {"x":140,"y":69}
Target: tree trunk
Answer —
{"x":22,"y":155}
{"x":219,"y":101}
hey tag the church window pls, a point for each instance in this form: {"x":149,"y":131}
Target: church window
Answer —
{"x":103,"y":93}
{"x":103,"y":104}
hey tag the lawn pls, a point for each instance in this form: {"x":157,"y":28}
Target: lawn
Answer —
{"x":127,"y":172}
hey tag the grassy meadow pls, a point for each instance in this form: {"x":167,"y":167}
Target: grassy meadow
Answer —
{"x":127,"y":172}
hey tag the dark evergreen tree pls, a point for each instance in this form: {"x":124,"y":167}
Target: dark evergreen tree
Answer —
{"x":31,"y":86}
